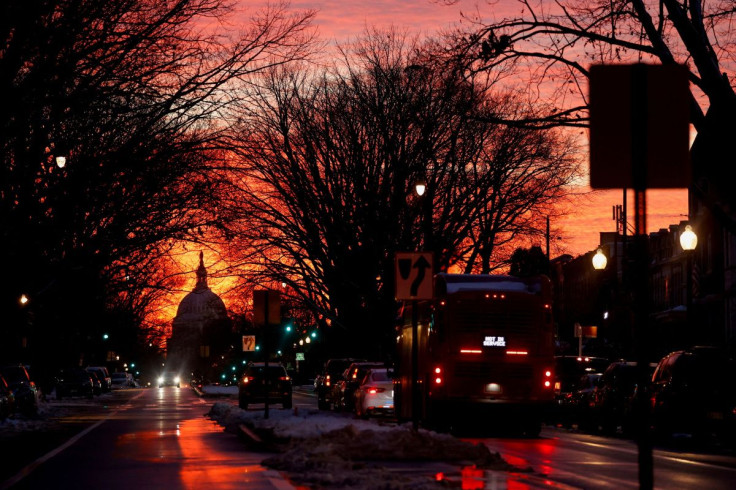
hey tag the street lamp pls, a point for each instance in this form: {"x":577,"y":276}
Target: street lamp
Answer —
{"x":61,"y":161}
{"x":688,"y":239}
{"x":599,"y":260}
{"x":688,"y":242}
{"x":420,"y":187}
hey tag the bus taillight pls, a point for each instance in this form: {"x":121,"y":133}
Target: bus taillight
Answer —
{"x":438,"y":375}
{"x":548,"y":378}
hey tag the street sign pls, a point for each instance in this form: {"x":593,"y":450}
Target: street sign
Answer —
{"x":639,"y":109}
{"x":589,"y":331}
{"x":266,"y":302}
{"x":300,"y":356}
{"x":414,"y":271}
{"x":249,"y":343}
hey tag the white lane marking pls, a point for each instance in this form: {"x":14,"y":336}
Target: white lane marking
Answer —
{"x":32,"y":466}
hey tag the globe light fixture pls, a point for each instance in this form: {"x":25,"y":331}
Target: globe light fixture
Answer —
{"x":420,"y":187}
{"x":599,"y":260}
{"x":61,"y":161}
{"x":688,"y":239}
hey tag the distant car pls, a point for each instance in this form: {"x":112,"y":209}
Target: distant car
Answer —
{"x":693,"y":392}
{"x":122,"y":380}
{"x":169,"y":378}
{"x":341,"y":396}
{"x":7,"y":400}
{"x":569,"y":371}
{"x":375,"y":394}
{"x":74,"y":382}
{"x":257,"y":383}
{"x":104,"y":376}
{"x":331,"y":374}
{"x":23,"y":388}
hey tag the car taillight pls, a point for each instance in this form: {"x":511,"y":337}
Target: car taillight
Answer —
{"x":372,"y":390}
{"x":438,"y":375}
{"x":284,"y":378}
{"x":247,"y":379}
{"x":327,"y":380}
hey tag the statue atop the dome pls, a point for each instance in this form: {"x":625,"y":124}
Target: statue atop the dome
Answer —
{"x":201,"y":274}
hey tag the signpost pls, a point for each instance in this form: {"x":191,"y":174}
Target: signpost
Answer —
{"x":266,"y":311}
{"x":414,"y":281}
{"x":639,"y":137}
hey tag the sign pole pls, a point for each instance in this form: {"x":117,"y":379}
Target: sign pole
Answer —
{"x":266,"y":311}
{"x":266,"y":346}
{"x":639,"y":142}
{"x":415,"y":365}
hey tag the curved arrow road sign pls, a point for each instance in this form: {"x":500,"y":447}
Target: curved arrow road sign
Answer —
{"x":414,"y":275}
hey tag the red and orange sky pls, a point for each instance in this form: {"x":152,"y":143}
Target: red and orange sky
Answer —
{"x":339,"y":21}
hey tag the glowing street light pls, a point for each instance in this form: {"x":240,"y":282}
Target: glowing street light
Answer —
{"x":61,"y":161}
{"x":688,"y":239}
{"x":23,"y":300}
{"x":420,"y":187}
{"x":599,"y":260}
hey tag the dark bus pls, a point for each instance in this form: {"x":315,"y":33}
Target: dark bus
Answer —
{"x":485,"y":353}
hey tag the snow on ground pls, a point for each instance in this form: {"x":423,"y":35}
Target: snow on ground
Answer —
{"x":218,"y":390}
{"x":323,"y":450}
{"x":49,"y":411}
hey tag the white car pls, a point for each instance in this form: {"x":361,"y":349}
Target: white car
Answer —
{"x":169,"y":379}
{"x":122,"y":380}
{"x":375,"y":395}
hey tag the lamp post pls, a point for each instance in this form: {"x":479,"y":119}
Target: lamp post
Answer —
{"x":420,"y":188}
{"x":688,"y":242}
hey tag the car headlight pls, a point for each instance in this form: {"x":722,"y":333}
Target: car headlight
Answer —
{"x":160,"y":379}
{"x":176,"y":380}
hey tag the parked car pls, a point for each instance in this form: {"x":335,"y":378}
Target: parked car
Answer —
{"x":169,"y":378}
{"x":375,"y":394}
{"x":612,"y":404}
{"x":104,"y":375}
{"x":122,"y":380}
{"x":98,"y":381}
{"x":569,"y":372}
{"x":331,"y":374}
{"x":74,"y":382}
{"x":693,"y":392}
{"x":257,"y":383}
{"x":581,"y":400}
{"x":23,"y":388}
{"x":7,"y":400}
{"x":341,"y":396}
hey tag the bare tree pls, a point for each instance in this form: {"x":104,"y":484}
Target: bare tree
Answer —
{"x":551,"y":44}
{"x":132,"y":94}
{"x":327,"y":167}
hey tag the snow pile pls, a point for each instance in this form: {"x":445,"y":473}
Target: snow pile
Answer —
{"x":219,"y":390}
{"x":325,"y":450}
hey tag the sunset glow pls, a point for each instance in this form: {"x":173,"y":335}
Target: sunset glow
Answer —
{"x":343,"y":21}
{"x":340,"y":22}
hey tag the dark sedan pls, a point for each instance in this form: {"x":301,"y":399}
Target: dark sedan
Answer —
{"x":258,"y":383}
{"x":74,"y":382}
{"x":23,"y":388}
